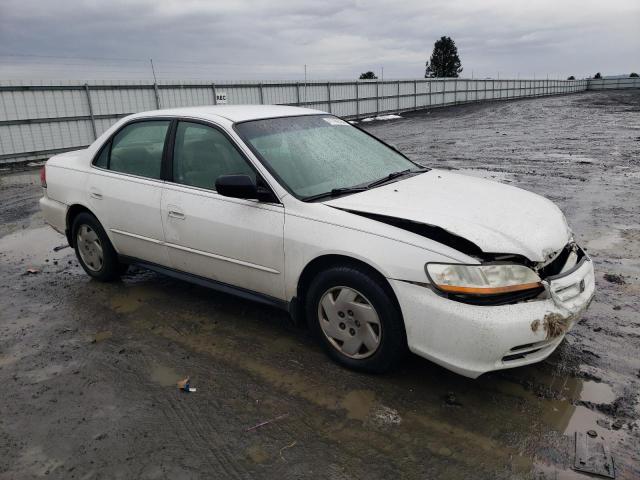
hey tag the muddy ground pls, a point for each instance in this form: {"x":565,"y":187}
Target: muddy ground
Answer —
{"x":88,"y":370}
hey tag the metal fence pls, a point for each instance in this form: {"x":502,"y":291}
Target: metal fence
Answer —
{"x":613,"y":83}
{"x":38,"y":120}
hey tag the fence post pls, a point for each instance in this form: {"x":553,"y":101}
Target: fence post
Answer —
{"x":215,"y":94}
{"x":155,"y":90}
{"x":93,"y":120}
{"x":261,"y":95}
{"x":357,"y":100}
{"x":455,"y":91}
{"x":415,"y":94}
{"x":377,"y":98}
{"x":398,"y":96}
{"x":298,"y":94}
{"x":329,"y":95}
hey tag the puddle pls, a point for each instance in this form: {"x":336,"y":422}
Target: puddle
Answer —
{"x":102,"y":336}
{"x":257,"y":454}
{"x":165,"y":376}
{"x":130,"y":298}
{"x":358,"y":404}
{"x":584,"y":419}
{"x":597,"y":392}
{"x":33,"y":245}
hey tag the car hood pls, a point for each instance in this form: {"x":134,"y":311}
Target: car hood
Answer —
{"x":498,"y":218}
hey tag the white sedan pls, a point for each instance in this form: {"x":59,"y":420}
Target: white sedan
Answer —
{"x":299,"y":209}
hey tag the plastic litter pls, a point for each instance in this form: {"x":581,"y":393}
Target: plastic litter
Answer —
{"x":592,"y":456}
{"x":185,"y":385}
{"x":267,"y":422}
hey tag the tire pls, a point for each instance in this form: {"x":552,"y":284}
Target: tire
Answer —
{"x":337,"y":310}
{"x":94,"y":251}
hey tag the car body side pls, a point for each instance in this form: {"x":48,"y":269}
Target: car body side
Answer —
{"x":468,"y":339}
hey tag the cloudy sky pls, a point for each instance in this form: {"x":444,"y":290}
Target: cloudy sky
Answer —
{"x":337,"y":39}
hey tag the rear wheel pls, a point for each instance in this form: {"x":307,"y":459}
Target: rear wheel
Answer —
{"x":356,"y":319}
{"x":94,"y":250}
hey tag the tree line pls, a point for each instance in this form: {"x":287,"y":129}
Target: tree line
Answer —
{"x":445,"y":63}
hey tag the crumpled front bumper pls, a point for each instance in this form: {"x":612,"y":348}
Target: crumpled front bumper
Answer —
{"x":472,"y":339}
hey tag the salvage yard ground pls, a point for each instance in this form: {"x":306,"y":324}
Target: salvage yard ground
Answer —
{"x":88,"y":370}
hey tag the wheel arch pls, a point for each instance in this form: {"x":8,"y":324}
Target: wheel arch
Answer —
{"x":325,"y":262}
{"x":72,"y":212}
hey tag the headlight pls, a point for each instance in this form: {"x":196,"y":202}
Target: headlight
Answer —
{"x":482,"y":279}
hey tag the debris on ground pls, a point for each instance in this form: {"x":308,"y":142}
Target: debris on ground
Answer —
{"x":618,"y":424}
{"x":384,"y":415}
{"x":292,"y":444}
{"x":32,"y":271}
{"x":451,"y":400}
{"x":614,"y":278}
{"x":267,"y":422}
{"x":185,"y":385}
{"x":59,"y":247}
{"x":592,"y":456}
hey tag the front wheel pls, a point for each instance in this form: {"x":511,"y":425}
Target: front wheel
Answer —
{"x":356,"y":319}
{"x":94,"y":250}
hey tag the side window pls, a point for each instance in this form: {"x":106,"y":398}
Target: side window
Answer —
{"x":137,"y":148}
{"x":202,"y":154}
{"x":103,"y":159}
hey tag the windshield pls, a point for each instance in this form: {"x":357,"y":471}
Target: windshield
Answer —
{"x":315,"y":154}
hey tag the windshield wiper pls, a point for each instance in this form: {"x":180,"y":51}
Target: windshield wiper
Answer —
{"x":335,"y":192}
{"x":394,"y":175}
{"x":361,"y":188}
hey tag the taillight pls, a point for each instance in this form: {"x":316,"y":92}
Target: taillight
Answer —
{"x":43,"y":177}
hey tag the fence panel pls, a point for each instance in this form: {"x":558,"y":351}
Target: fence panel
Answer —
{"x":38,"y":120}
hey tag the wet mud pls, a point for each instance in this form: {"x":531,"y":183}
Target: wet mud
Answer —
{"x":89,"y":370}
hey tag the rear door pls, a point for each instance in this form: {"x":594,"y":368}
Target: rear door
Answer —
{"x":125,"y":189}
{"x":234,"y":241}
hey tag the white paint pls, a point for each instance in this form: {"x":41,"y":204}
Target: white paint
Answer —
{"x":496,"y":217}
{"x":264,"y":247}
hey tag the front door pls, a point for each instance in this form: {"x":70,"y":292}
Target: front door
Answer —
{"x":234,"y":241}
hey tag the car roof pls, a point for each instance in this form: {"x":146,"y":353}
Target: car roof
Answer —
{"x":233,"y":113}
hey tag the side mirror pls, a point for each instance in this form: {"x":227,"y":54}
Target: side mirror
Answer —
{"x":242,"y":186}
{"x":236,"y":186}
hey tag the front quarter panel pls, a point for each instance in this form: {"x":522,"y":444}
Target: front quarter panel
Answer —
{"x":314,"y":230}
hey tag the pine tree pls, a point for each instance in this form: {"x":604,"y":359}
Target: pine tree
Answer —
{"x":444,"y":60}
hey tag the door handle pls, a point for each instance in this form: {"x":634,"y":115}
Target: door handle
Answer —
{"x":175,"y":212}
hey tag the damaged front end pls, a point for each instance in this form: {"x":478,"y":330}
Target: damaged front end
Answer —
{"x":550,"y":282}
{"x":497,"y":310}
{"x":536,"y":277}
